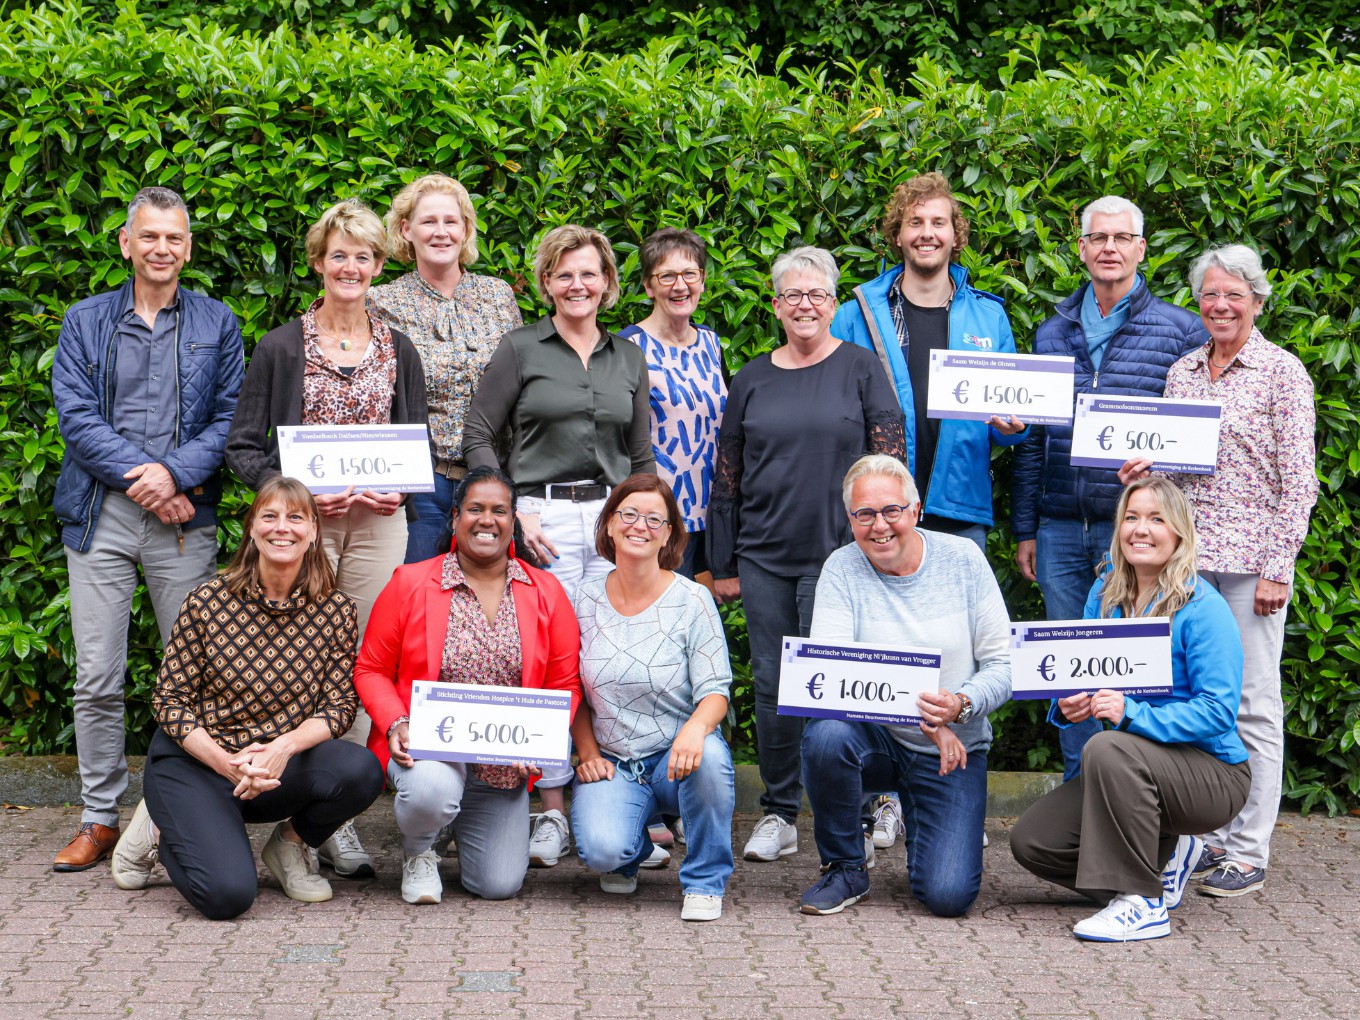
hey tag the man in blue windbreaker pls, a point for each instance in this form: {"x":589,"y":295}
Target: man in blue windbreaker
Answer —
{"x":1123,"y":340}
{"x":922,"y":305}
{"x":145,"y":382}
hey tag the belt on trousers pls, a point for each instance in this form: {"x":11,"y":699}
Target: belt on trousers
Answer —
{"x":574,"y":493}
{"x":452,"y":470}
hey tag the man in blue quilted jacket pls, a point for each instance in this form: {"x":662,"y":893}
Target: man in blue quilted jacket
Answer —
{"x":1123,"y":340}
{"x":145,"y":382}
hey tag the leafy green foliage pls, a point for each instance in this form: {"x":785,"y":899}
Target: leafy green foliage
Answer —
{"x":1216,"y":142}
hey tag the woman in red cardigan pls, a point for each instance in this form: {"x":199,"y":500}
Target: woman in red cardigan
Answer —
{"x":476,"y":615}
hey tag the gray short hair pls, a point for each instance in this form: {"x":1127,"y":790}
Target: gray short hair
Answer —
{"x":806,"y":259}
{"x":157,"y":198}
{"x":1112,"y":205}
{"x":880,"y":464}
{"x":1236,"y":260}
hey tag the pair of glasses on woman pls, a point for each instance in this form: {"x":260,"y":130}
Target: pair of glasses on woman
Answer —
{"x":891,"y":514}
{"x":793,"y":298}
{"x":668,"y":279}
{"x":631,"y":517}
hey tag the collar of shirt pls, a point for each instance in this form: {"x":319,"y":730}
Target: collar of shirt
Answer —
{"x":545,"y":330}
{"x":1252,"y":354}
{"x":453,"y":575}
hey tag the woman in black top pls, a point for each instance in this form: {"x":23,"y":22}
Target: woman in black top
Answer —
{"x":796,"y":419}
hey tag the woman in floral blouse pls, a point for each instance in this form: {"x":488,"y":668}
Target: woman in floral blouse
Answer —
{"x":454,"y":318}
{"x":255,"y":685}
{"x":476,"y":615}
{"x":1251,"y":515}
{"x":337,"y":365}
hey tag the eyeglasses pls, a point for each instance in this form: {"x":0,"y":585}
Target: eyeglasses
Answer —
{"x":688,"y":275}
{"x":1210,"y":296}
{"x":587,"y":278}
{"x":795,"y":297}
{"x":631,"y":517}
{"x":891,"y":513}
{"x":1121,"y":240}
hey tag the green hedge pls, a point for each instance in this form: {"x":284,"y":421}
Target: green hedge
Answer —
{"x":1217,"y":143}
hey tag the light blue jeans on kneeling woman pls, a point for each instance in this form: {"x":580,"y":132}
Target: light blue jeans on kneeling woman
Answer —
{"x":609,"y":817}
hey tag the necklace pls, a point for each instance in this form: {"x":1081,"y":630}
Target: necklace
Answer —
{"x":1216,"y":364}
{"x":345,"y":342}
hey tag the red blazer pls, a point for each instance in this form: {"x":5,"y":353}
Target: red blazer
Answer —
{"x":404,"y":642}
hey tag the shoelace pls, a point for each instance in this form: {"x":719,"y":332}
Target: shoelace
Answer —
{"x":545,"y":819}
{"x":347,"y":840}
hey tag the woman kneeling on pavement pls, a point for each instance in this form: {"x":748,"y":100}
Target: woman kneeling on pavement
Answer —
{"x":656,"y":674}
{"x":1173,"y":764}
{"x":476,"y":615}
{"x":253,"y":690}
{"x":904,"y":586}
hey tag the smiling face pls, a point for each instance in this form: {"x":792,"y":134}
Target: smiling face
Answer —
{"x":576,"y":285}
{"x":1145,"y":538}
{"x":347,"y":268}
{"x":1109,"y":264}
{"x":805,"y":322}
{"x":484,"y":524}
{"x":157,"y":243}
{"x":927,"y":237}
{"x":436,"y":231}
{"x":1227,"y":307}
{"x":679,"y":299}
{"x":637,"y":540}
{"x":282,"y":534}
{"x":891,"y":548}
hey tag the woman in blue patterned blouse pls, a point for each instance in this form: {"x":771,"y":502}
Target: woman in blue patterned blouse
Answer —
{"x":687,"y":388}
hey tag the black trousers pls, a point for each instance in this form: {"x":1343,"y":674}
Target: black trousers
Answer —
{"x":1113,"y":828}
{"x":203,"y":841}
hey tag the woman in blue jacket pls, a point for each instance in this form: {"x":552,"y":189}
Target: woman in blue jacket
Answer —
{"x":1173,"y":764}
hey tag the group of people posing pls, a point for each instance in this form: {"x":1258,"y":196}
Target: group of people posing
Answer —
{"x":583,"y":480}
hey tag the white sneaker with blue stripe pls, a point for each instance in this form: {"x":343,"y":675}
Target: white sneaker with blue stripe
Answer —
{"x":1176,"y":874}
{"x":1127,"y":918}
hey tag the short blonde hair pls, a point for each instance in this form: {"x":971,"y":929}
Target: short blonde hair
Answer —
{"x":885,"y":466}
{"x":351,"y":218}
{"x":569,"y":237}
{"x":404,"y":208}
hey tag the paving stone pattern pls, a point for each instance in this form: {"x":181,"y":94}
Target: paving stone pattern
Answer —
{"x":77,"y":946}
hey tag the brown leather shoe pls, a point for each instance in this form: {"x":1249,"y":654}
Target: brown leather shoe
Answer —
{"x":92,"y":844}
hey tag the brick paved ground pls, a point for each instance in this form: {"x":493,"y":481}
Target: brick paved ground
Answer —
{"x":77,"y":946}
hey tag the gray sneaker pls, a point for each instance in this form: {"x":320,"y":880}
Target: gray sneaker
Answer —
{"x":135,"y":856}
{"x":420,"y":881}
{"x":296,"y":868}
{"x":550,"y":839}
{"x":346,"y":854}
{"x":771,"y":839}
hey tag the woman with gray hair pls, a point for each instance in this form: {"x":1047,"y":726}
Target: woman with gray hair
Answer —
{"x":1251,"y":516}
{"x":575,"y":399}
{"x":796,"y":419}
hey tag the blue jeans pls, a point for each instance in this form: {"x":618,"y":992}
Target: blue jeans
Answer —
{"x":775,"y":607}
{"x":609,"y":817}
{"x":942,"y":815}
{"x":433,"y":511}
{"x":1067,"y":554}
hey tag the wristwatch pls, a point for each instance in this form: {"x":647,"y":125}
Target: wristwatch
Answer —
{"x":965,"y":709}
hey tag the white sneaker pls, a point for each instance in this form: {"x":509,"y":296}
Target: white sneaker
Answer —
{"x":870,"y":855}
{"x":771,"y":839}
{"x":619,"y":885}
{"x":550,"y":839}
{"x":678,"y":827}
{"x":1127,"y":918}
{"x":1176,"y":874}
{"x":420,"y":882}
{"x":887,"y":822}
{"x":660,"y":858}
{"x":700,"y":907}
{"x":346,"y":854}
{"x":296,"y":868}
{"x":135,"y":856}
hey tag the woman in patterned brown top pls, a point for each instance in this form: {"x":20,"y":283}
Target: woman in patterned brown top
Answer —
{"x":475,"y":615}
{"x":455,"y":319}
{"x":253,"y":690}
{"x":337,"y":365}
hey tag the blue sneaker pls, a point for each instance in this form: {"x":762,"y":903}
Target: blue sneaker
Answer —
{"x":1127,"y":918}
{"x":1176,"y":874}
{"x":1233,"y":879}
{"x":1211,"y":858}
{"x":839,"y":888}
